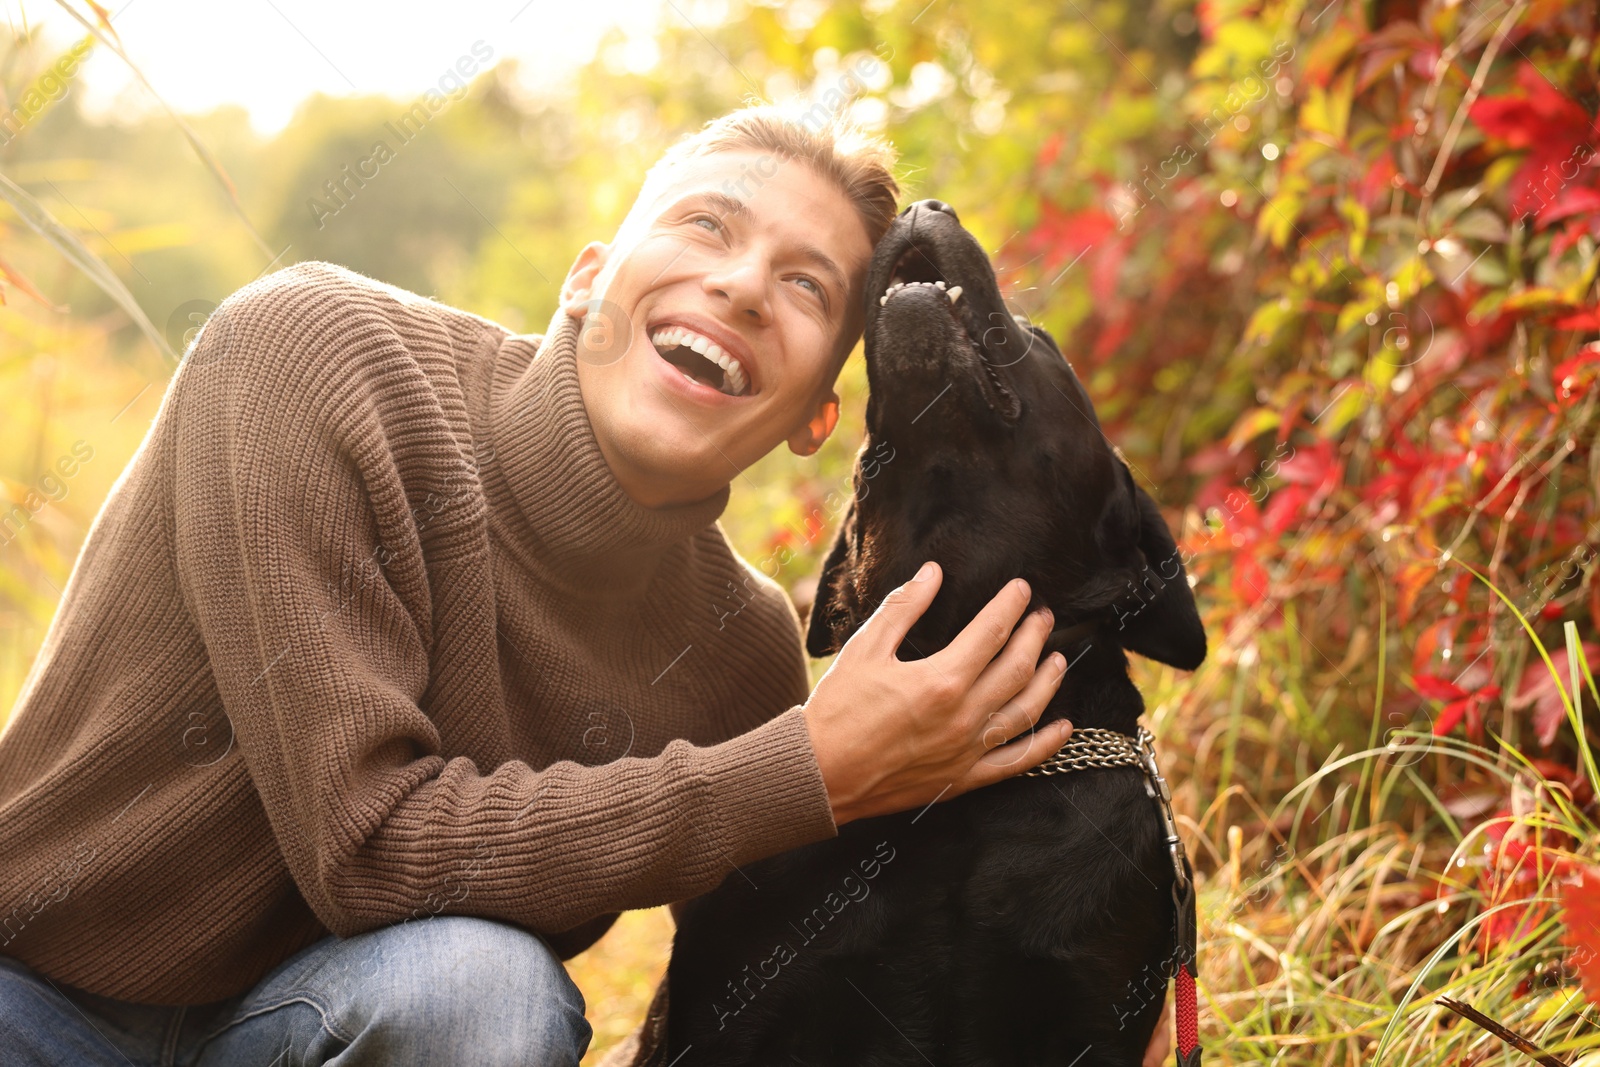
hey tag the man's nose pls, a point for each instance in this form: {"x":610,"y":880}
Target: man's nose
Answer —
{"x":931,"y":205}
{"x":743,"y":282}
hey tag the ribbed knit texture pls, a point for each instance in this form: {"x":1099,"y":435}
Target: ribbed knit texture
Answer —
{"x":366,"y":632}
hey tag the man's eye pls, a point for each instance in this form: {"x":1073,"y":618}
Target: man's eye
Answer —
{"x":711,"y":224}
{"x":811,"y":283}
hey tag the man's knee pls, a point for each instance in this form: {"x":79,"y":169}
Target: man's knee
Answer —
{"x":471,"y":983}
{"x":39,"y":1026}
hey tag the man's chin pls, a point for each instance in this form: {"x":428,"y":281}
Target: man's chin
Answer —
{"x":669,"y":462}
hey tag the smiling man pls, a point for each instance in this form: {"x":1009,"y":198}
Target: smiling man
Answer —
{"x":392,"y":668}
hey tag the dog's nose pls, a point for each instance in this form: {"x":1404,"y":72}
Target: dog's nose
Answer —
{"x":932,"y":205}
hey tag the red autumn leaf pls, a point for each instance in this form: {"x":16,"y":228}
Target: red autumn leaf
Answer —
{"x":1538,"y":688}
{"x":1587,"y":319}
{"x":1538,"y":114}
{"x":1064,"y":236}
{"x":1574,"y":231}
{"x":1546,"y":123}
{"x":1580,"y":905}
{"x":1409,"y":583}
{"x":1378,"y":182}
{"x":1463,"y":704}
{"x":1249,"y":579}
{"x":1571,"y":200}
{"x":1313,"y":465}
{"x":1521,"y":858}
{"x":1570,"y":375}
{"x":1450,"y":717}
{"x":1436,"y":688}
{"x":1286,"y":505}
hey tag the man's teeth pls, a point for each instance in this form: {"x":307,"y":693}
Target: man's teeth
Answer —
{"x":673,"y":336}
{"x":951,"y":294}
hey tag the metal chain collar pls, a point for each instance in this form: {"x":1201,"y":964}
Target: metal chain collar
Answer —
{"x":1091,"y":747}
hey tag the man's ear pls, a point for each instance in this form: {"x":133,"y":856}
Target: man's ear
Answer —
{"x":826,"y":610}
{"x":807,"y":439}
{"x":579,"y":283}
{"x":1160,"y":621}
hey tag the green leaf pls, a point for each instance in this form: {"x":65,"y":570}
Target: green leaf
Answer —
{"x":1359,"y":218}
{"x":1350,"y":404}
{"x":1451,"y":203}
{"x":1268,"y":320}
{"x":1328,"y":110}
{"x":1481,"y":224}
{"x":1251,"y":425}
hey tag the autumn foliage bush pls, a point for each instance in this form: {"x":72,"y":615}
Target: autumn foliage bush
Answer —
{"x":1339,"y":309}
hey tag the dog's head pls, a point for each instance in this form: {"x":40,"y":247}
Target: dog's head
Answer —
{"x":983,"y":452}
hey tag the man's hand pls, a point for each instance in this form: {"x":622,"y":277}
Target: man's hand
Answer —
{"x":891,"y":735}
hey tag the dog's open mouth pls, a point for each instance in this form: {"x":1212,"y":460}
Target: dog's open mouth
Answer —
{"x":915,"y":269}
{"x":916,"y":272}
{"x":700,"y":359}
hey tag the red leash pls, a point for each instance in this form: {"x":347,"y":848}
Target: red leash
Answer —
{"x":1186,"y":1013}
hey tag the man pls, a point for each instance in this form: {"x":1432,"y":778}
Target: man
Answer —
{"x":396,"y":616}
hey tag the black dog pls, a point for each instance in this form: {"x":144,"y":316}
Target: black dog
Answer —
{"x":1028,"y":922}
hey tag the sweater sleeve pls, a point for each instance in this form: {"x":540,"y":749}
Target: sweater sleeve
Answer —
{"x":316,"y":616}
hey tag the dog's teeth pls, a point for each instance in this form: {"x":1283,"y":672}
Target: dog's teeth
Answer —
{"x":884,"y":299}
{"x":938,"y":285}
{"x":953,"y":293}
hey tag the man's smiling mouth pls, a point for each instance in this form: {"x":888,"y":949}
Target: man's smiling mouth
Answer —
{"x":701,"y":359}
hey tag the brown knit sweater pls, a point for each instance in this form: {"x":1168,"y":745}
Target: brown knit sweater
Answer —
{"x":366,"y":632}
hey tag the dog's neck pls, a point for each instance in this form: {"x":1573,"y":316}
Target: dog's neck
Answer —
{"x":1070,"y":636}
{"x":1097,"y":691}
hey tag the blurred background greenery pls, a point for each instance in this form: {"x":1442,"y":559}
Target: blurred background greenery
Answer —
{"x":1327,"y":270}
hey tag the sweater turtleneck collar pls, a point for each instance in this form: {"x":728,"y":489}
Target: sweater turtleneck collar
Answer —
{"x":565,"y":497}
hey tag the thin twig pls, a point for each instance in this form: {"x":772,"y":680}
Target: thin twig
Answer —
{"x":1478,"y":78}
{"x":1510,"y":1037}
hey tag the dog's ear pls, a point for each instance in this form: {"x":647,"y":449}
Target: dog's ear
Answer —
{"x":826,"y":611}
{"x":1159,"y":620}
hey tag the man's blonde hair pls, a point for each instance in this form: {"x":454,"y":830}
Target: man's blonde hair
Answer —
{"x":861,"y":164}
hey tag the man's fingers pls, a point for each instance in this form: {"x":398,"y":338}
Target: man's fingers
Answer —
{"x":987,"y":633}
{"x":1029,"y":750}
{"x":1008,"y":673}
{"x":1024,"y":708}
{"x":899,"y":611}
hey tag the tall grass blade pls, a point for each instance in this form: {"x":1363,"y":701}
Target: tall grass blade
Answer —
{"x":37,"y":216}
{"x":210,"y":161}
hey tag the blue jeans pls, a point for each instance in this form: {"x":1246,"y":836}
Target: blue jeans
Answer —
{"x":440,"y":991}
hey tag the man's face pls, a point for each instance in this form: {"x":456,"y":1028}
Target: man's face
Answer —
{"x":757,"y":255}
